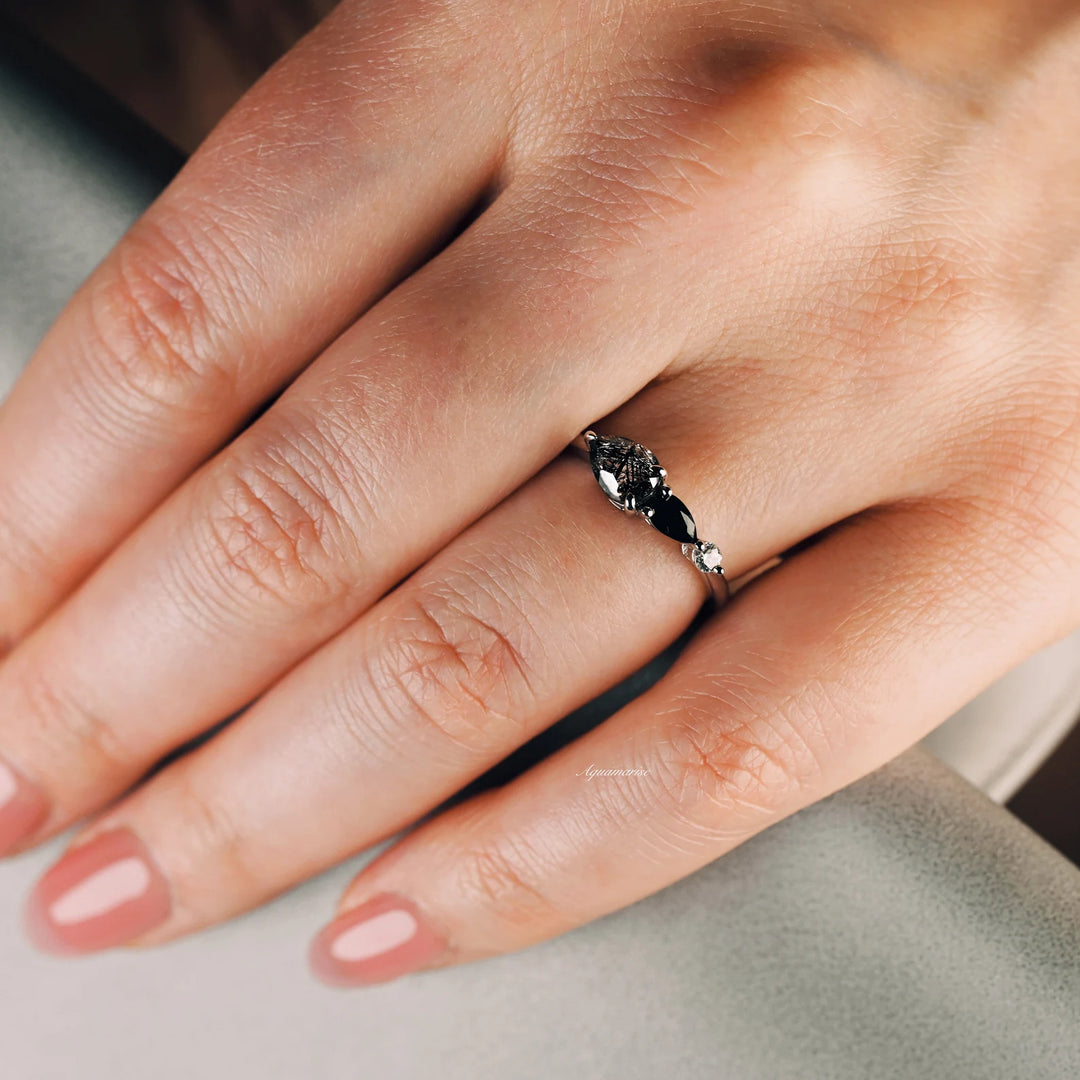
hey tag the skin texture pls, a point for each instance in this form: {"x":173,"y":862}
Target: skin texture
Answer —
{"x":822,"y":259}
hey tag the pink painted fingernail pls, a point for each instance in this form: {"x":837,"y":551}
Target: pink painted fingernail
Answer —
{"x":100,"y":894}
{"x":382,"y":939}
{"x":22,"y":807}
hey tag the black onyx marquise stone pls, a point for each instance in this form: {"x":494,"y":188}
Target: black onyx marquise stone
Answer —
{"x":631,"y":477}
{"x":672,"y":518}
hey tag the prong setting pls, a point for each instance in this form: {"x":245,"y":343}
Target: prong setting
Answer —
{"x":634,"y":481}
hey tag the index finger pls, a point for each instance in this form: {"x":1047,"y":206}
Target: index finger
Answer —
{"x":341,"y":169}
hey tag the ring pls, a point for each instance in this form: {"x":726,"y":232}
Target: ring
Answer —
{"x":633,"y":479}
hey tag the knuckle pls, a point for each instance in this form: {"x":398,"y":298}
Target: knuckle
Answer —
{"x":446,"y":665}
{"x":214,"y":841}
{"x":1034,"y":442}
{"x":731,"y":753}
{"x":155,"y":339}
{"x":72,"y":731}
{"x":894,"y":285}
{"x":27,"y":565}
{"x":1014,"y":470}
{"x":651,"y":137}
{"x":504,"y":875}
{"x":884,"y":289}
{"x":275,"y":529}
{"x":369,"y":71}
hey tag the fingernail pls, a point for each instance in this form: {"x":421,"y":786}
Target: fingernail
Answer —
{"x":100,"y":894}
{"x":382,"y":939}
{"x":22,"y":807}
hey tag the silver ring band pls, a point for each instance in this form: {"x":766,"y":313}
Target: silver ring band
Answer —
{"x":634,"y":481}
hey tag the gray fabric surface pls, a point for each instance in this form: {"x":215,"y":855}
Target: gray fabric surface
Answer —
{"x":906,"y":928}
{"x":74,"y":173}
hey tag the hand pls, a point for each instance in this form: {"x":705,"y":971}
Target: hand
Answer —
{"x":821,"y":258}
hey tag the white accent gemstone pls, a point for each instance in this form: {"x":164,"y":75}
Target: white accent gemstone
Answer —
{"x":707,"y":557}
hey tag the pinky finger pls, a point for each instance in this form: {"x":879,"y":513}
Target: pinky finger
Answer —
{"x":820,"y":672}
